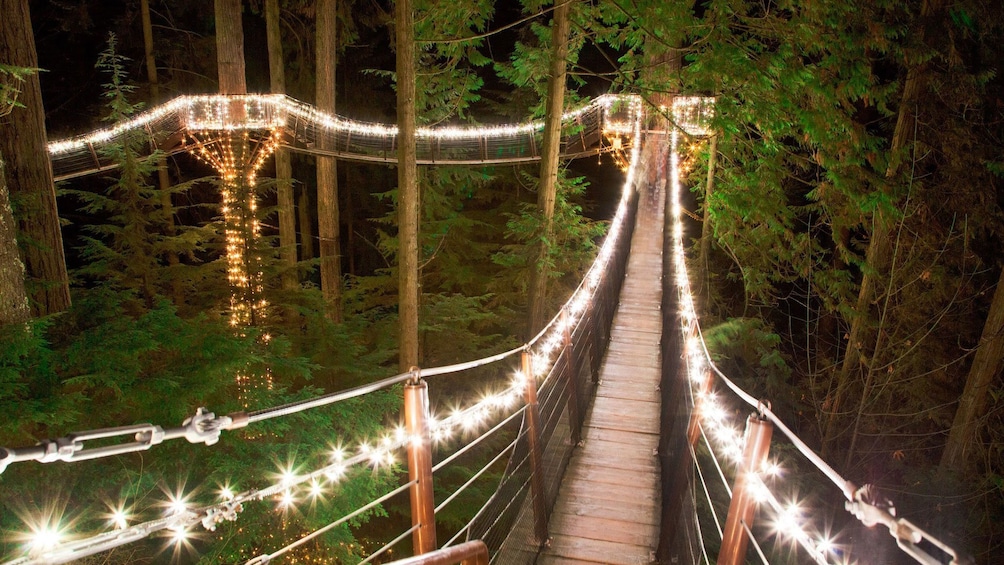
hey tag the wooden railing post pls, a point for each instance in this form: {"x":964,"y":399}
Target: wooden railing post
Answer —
{"x":571,"y":363}
{"x":423,"y":502}
{"x":734,"y":538}
{"x":536,"y":454}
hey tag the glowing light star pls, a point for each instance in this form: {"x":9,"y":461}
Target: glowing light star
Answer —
{"x":286,"y":500}
{"x":45,"y":538}
{"x":316,"y":489}
{"x":338,"y":454}
{"x":226,"y":493}
{"x":772,"y":468}
{"x":334,"y":473}
{"x":119,"y":518}
{"x":176,"y":504}
{"x":288,"y":477}
{"x":179,"y":536}
{"x":787,"y":522}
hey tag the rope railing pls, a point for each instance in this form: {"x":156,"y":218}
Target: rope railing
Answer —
{"x":550,"y":361}
{"x":752,"y":468}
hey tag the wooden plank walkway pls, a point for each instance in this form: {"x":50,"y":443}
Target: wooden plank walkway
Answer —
{"x":610,"y":501}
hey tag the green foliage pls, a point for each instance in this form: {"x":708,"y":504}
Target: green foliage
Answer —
{"x":447,"y":82}
{"x":11,"y":78}
{"x":569,"y":248}
{"x":748,"y":349}
{"x":528,"y":68}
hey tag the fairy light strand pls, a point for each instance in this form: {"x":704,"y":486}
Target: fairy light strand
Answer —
{"x":714,"y":419}
{"x":790,"y":521}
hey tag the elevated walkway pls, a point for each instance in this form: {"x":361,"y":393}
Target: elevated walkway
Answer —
{"x":610,"y":499}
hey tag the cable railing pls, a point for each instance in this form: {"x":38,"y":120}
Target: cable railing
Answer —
{"x":535,"y":415}
{"x":718,"y":448}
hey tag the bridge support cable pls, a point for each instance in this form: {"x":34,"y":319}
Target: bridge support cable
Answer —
{"x":707,"y":496}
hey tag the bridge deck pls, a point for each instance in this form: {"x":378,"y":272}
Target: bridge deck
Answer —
{"x":609,"y":504}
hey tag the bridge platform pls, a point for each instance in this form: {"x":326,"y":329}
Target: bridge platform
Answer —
{"x":609,"y":504}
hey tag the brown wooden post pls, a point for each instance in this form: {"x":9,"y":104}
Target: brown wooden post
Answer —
{"x":423,"y":502}
{"x":575,"y":419}
{"x":734,"y":538}
{"x":536,"y":455}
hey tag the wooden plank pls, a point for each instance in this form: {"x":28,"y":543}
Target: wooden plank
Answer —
{"x":614,"y":493}
{"x":583,"y":550}
{"x":622,"y":509}
{"x":638,"y":450}
{"x":606,"y":529}
{"x":613,"y":422}
{"x":597,"y":433}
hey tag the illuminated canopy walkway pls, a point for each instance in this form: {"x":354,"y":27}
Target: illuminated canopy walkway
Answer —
{"x":190,"y":123}
{"x":555,"y":410}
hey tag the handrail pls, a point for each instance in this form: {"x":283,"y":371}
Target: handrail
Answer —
{"x":473,"y":552}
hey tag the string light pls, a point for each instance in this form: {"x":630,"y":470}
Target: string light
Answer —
{"x":119,"y":517}
{"x":45,"y":538}
{"x":789,"y":520}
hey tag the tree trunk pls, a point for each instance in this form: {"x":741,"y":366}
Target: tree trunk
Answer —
{"x":13,"y":299}
{"x":163,"y":179}
{"x":230,"y":47}
{"x":328,"y":227}
{"x":29,"y":181}
{"x":706,"y":231}
{"x":283,"y":167}
{"x":973,"y":402}
{"x":306,"y":225}
{"x":548,"y":191}
{"x":879,"y":252}
{"x":407,"y":185}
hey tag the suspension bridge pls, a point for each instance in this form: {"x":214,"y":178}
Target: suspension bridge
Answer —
{"x":620,"y":440}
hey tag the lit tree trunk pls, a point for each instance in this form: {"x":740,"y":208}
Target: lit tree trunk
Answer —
{"x":283,"y":167}
{"x":230,"y":47}
{"x":407,"y":185}
{"x":13,"y":300}
{"x":973,"y":402}
{"x":878,"y":254}
{"x":327,"y":172}
{"x":548,"y":191}
{"x":29,"y":172}
{"x":163,"y":180}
